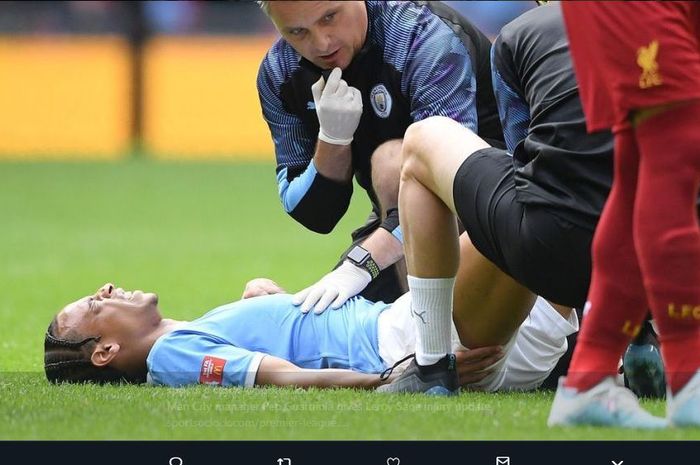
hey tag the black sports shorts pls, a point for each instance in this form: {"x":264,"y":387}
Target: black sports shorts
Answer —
{"x":547,"y":254}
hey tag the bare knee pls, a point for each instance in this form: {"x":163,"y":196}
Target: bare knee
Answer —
{"x":421,"y":136}
{"x":433,"y":150}
{"x":418,"y":143}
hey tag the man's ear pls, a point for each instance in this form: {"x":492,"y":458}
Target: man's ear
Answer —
{"x":104,"y":354}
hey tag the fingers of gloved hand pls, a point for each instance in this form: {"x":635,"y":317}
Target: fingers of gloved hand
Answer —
{"x":342,"y":297}
{"x":356,"y":96}
{"x":349,"y":97}
{"x":300,"y":296}
{"x":317,"y":89}
{"x":327,"y":297}
{"x":342,"y":89}
{"x":333,"y":81}
{"x":312,"y":298}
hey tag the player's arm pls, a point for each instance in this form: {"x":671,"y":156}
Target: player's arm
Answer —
{"x":274,"y":371}
{"x":513,"y":109}
{"x":188,"y":359}
{"x":313,"y":177}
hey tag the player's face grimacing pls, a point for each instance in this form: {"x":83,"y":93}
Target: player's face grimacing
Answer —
{"x":110,"y":311}
{"x":328,"y":34}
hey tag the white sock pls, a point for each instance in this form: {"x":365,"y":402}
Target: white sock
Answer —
{"x":431,"y":309}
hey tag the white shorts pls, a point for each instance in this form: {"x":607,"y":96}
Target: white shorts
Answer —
{"x":531,"y":353}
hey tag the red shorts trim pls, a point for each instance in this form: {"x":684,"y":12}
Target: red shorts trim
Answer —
{"x":630,"y":55}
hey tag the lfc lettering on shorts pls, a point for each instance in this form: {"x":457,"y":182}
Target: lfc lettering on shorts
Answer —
{"x":631,"y":330}
{"x":685,"y":311}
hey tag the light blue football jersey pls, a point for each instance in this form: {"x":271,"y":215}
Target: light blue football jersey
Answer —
{"x":226,"y":345}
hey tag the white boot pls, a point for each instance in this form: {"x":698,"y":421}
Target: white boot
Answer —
{"x":605,"y":404}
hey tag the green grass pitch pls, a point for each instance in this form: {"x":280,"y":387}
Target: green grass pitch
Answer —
{"x":195,"y":233}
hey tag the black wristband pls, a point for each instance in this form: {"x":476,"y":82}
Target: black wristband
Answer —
{"x":391,"y":222}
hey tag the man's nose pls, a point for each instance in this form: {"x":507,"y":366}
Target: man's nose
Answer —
{"x":322,"y":42}
{"x":106,"y":290}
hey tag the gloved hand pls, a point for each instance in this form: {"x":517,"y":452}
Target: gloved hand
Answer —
{"x":337,"y":286}
{"x":338,"y":107}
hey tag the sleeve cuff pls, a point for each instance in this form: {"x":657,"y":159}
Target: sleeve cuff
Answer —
{"x":253,"y":369}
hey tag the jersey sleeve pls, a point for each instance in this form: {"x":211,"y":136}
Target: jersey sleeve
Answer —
{"x":310,"y":198}
{"x":439,"y":76}
{"x":190,"y":358}
{"x":539,"y":344}
{"x":513,"y":109}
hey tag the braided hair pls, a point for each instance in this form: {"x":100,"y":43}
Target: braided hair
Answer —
{"x":69,"y":360}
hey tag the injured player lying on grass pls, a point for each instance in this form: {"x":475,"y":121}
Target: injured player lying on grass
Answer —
{"x":263,"y":339}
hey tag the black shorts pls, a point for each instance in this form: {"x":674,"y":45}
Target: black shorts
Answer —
{"x":547,"y":254}
{"x":390,"y":284}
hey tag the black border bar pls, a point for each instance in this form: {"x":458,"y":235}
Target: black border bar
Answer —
{"x":349,"y":452}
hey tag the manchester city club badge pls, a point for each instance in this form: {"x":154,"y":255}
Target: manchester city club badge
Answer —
{"x":381,"y":100}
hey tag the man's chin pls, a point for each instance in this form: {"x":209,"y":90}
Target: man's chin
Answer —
{"x":147,"y":299}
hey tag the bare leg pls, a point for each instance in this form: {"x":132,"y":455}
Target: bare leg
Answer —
{"x":430,"y":163}
{"x":488,"y":304}
{"x":386,"y":172}
{"x":433,"y":151}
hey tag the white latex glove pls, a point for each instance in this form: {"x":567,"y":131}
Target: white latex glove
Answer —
{"x":338,"y":107}
{"x":337,"y":287}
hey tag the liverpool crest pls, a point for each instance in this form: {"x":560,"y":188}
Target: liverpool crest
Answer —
{"x":646,"y":59}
